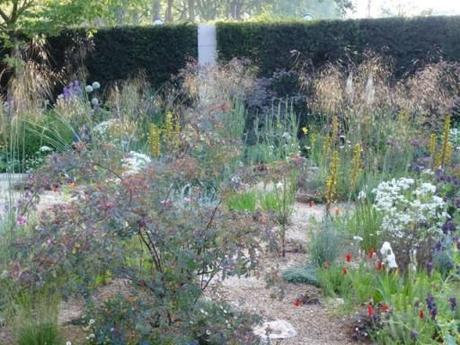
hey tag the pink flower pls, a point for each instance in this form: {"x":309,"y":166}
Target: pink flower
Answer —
{"x":21,"y":220}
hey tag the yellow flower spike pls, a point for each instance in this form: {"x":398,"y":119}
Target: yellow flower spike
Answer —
{"x":155,"y":140}
{"x":432,"y":145}
{"x":332,"y":180}
{"x":356,"y":164}
{"x":446,"y":152}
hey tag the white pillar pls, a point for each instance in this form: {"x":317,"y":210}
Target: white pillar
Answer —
{"x":207,"y":45}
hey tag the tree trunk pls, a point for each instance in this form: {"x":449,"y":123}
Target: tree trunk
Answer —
{"x":169,"y":12}
{"x":191,"y":10}
{"x":156,"y":7}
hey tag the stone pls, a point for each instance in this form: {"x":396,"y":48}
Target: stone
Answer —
{"x":272,"y":330}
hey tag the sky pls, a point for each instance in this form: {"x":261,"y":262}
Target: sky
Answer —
{"x":408,"y":7}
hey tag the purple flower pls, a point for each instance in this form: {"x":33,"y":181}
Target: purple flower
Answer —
{"x":429,"y":267}
{"x":453,"y":303}
{"x":414,"y":334}
{"x":431,"y":305}
{"x":448,"y":226}
{"x":21,"y":220}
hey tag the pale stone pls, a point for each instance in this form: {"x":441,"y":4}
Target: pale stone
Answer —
{"x":278,"y":329}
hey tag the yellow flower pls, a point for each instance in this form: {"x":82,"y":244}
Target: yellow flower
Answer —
{"x":305,"y":130}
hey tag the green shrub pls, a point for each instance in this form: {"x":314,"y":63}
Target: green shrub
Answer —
{"x":325,"y":246}
{"x":304,"y":275}
{"x":39,"y":333}
{"x":246,"y":201}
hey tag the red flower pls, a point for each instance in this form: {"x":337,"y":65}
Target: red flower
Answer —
{"x":370,"y":310}
{"x":344,"y":270}
{"x":379,"y":265}
{"x":421,"y":314}
{"x":384,"y":308}
{"x":297,"y":302}
{"x":371,"y":253}
{"x":348,"y":257}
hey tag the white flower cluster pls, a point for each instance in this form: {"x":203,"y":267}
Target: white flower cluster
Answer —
{"x":135,"y":162}
{"x":454,"y":138}
{"x":407,"y":205}
{"x":103,"y":127}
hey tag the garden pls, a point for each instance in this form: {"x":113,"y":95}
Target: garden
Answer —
{"x":316,"y":205}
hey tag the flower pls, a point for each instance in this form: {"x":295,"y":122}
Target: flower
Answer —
{"x":348,"y":257}
{"x":357,"y":238}
{"x":21,"y":220}
{"x":305,"y":130}
{"x":297,"y":302}
{"x":344,"y":270}
{"x":421,"y":314}
{"x":45,"y":149}
{"x":96,"y":85}
{"x":379,"y":265}
{"x":370,"y":310}
{"x":389,"y":258}
{"x":89,"y":89}
{"x":95,"y":102}
{"x":384,"y":308}
{"x":68,"y":343}
{"x":453,"y":303}
{"x":431,"y":305}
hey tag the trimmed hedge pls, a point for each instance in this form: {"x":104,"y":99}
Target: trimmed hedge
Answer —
{"x":121,"y":53}
{"x":410,"y":42}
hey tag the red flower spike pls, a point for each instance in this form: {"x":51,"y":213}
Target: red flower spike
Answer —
{"x":421,"y":314}
{"x":370,"y":310}
{"x":348,"y":257}
{"x":344,"y":270}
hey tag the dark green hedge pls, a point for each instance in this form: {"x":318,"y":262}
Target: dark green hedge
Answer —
{"x":410,"y":42}
{"x":121,"y":53}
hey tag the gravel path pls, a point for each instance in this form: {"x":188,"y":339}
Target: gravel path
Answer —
{"x":316,"y":324}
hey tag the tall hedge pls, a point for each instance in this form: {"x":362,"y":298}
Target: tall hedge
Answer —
{"x":410,"y":42}
{"x":121,"y":53}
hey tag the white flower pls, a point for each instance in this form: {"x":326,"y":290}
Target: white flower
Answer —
{"x":68,"y":343}
{"x":89,"y":89}
{"x":357,"y":238}
{"x":96,"y":85}
{"x":95,"y":102}
{"x":91,"y":321}
{"x":389,"y":258}
{"x":135,"y":162}
{"x":286,"y":136}
{"x":45,"y":149}
{"x":362,"y":195}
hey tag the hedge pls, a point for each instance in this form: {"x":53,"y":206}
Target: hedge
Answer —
{"x":409,"y":42}
{"x":120,"y":53}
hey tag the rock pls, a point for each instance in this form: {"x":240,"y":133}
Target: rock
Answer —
{"x":278,"y":329}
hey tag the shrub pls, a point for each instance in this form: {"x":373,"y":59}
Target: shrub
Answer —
{"x":41,"y":333}
{"x":276,"y":46}
{"x":325,"y":245}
